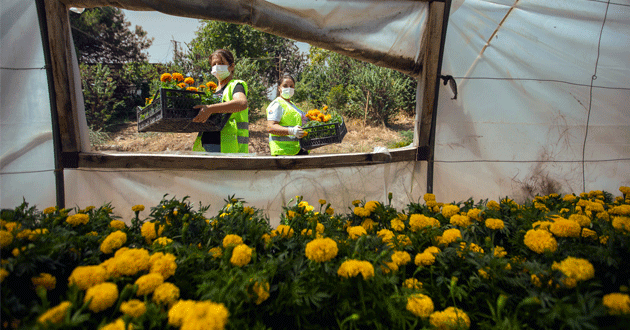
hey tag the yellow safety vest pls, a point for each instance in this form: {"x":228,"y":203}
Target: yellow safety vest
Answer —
{"x":235,"y":133}
{"x":285,"y":144}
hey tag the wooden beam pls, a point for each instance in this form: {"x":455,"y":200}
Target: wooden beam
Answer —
{"x":431,"y":43}
{"x":62,"y":69}
{"x":195,"y":161}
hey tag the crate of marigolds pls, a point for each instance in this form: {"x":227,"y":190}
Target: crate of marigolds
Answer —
{"x":323,"y":128}
{"x":172,"y":107}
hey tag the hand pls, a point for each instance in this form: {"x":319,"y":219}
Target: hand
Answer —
{"x":296,"y":131}
{"x":203,"y":115}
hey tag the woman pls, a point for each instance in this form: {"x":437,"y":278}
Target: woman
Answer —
{"x":283,"y":121}
{"x":234,"y":137}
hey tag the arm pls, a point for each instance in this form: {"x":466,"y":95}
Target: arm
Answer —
{"x":273,"y":127}
{"x":238,"y":103}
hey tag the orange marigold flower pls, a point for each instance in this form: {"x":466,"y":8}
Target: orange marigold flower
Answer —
{"x":181,"y":85}
{"x":189,"y":80}
{"x":166,"y":77}
{"x":178,"y":76}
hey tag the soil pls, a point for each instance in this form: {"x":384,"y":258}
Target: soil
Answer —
{"x":360,"y":138}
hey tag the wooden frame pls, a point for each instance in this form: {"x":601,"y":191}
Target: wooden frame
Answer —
{"x":73,"y":157}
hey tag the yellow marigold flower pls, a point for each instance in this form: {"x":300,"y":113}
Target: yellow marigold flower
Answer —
{"x":6,"y":238}
{"x":588,"y":233}
{"x":164,"y":241}
{"x":495,"y":224}
{"x":403,"y":240}
{"x":386,"y":235}
{"x":420,"y":305}
{"x":50,"y":210}
{"x":621,"y":223}
{"x":166,"y":77}
{"x":352,"y":268}
{"x":397,"y":224}
{"x":167,"y":293}
{"x":322,"y":201}
{"x":117,"y":224}
{"x":356,"y":202}
{"x":449,"y":210}
{"x":483,"y":273}
{"x":241,"y":255}
{"x":113,"y":241}
{"x":460,"y":220}
{"x":56,"y":314}
{"x":450,"y":319}
{"x":330,"y":211}
{"x":582,"y":220}
{"x":206,"y":315}
{"x":429,"y":197}
{"x":424,"y":259}
{"x":474,"y":214}
{"x":86,"y":277}
{"x":542,"y":225}
{"x":468,"y":247}
{"x":232,"y":240}
{"x":285,"y":231}
{"x":321,"y":249}
{"x":137,"y":208}
{"x":499,"y":252}
{"x":178,"y":76}
{"x":78,"y":219}
{"x":569,"y":198}
{"x":401,"y":258}
{"x":102,"y":296}
{"x":412,"y":283}
{"x":576,"y":269}
{"x":449,"y":236}
{"x":3,"y":274}
{"x":355,"y":231}
{"x":420,"y":221}
{"x":432,"y":205}
{"x":189,"y":80}
{"x":134,"y":308}
{"x":540,"y":241}
{"x":262,"y":291}
{"x":164,"y":264}
{"x":319,"y":228}
{"x":493,"y":205}
{"x":536,"y":280}
{"x":361,"y":212}
{"x":620,"y":210}
{"x":148,"y":283}
{"x":371,"y":206}
{"x":44,"y":280}
{"x":23,"y":234}
{"x":118,"y":324}
{"x":217,"y":252}
{"x":565,"y":228}
{"x":617,"y":303}
{"x":128,"y":262}
{"x":148,"y":231}
{"x":179,"y":311}
{"x":368,"y":224}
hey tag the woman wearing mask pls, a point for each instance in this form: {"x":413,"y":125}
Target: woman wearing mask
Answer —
{"x":234,"y":137}
{"x":284,"y":120}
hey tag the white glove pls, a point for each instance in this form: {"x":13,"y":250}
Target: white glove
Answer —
{"x":296,"y":131}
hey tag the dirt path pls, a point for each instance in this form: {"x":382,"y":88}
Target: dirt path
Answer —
{"x":360,"y":138}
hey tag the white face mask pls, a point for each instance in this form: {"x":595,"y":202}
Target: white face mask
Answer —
{"x":287,"y":92}
{"x":220,"y":71}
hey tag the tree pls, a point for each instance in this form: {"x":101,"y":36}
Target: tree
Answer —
{"x":351,"y":86}
{"x":102,"y":35}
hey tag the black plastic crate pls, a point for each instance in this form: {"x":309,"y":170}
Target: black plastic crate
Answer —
{"x":172,"y":111}
{"x":321,"y":135}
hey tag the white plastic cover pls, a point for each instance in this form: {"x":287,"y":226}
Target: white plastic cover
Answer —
{"x":26,"y":147}
{"x":526,"y":116}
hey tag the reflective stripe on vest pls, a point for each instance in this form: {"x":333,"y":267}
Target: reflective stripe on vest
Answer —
{"x":281,"y":144}
{"x":235,"y":133}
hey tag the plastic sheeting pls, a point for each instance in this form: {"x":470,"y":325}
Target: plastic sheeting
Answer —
{"x":26,"y":146}
{"x":526,"y":118}
{"x":386,"y":33}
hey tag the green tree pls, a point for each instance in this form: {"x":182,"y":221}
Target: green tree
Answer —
{"x":98,"y":94}
{"x":351,"y":86}
{"x":103,"y":35}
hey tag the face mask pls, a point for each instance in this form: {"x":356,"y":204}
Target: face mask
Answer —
{"x":287,"y":92}
{"x":220,"y":71}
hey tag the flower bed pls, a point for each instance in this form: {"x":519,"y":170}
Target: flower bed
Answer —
{"x":554,"y":262}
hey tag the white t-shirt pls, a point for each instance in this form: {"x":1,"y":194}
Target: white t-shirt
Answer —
{"x":275,"y":111}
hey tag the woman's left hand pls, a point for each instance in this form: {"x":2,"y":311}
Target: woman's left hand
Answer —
{"x":204,"y":113}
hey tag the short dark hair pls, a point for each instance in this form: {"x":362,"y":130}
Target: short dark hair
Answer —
{"x":226,"y":54}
